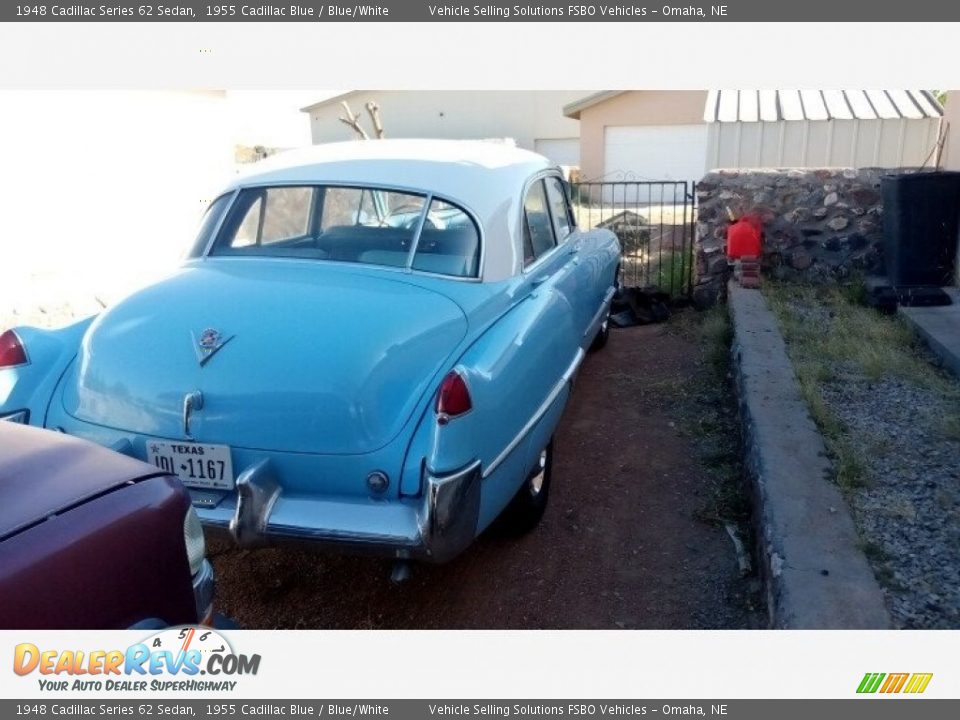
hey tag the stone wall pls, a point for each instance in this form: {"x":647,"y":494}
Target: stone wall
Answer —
{"x":819,"y":225}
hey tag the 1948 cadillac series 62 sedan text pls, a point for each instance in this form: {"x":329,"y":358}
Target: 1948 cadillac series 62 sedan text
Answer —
{"x":369,"y":345}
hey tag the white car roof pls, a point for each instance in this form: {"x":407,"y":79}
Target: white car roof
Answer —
{"x":485,"y":177}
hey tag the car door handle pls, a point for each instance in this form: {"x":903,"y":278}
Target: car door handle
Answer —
{"x":538,"y":281}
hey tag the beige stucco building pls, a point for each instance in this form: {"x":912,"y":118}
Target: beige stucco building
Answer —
{"x":624,"y":133}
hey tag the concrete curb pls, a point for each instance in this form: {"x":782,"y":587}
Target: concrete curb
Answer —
{"x":937,"y":327}
{"x":815,"y":574}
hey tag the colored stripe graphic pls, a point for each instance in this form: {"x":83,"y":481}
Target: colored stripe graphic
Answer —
{"x":870,"y":682}
{"x":894,"y":682}
{"x":918,"y":682}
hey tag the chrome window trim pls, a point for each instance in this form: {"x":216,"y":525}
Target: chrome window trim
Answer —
{"x":481,"y":233}
{"x":223,"y":216}
{"x":415,"y":242}
{"x":532,"y":267}
{"x":553,"y":218}
{"x":537,"y":415}
{"x":344,"y":264}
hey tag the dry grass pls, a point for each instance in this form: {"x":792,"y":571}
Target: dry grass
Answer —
{"x":829,"y":335}
{"x":845,"y":334}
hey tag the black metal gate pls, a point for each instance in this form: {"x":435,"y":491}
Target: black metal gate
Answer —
{"x":655,"y":221}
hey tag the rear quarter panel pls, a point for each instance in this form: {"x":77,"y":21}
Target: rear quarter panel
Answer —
{"x":510,"y":371}
{"x":49,"y":353}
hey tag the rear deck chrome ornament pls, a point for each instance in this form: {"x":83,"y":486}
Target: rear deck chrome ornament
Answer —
{"x":191,"y":401}
{"x":207,"y":345}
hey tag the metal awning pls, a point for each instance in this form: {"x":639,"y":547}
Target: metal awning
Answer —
{"x":776,"y":105}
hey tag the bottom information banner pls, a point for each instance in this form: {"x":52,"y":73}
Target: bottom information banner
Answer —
{"x":202,"y":672}
{"x":420,"y":709}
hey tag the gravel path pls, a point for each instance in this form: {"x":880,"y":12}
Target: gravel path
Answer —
{"x":909,"y":512}
{"x":898,"y":419}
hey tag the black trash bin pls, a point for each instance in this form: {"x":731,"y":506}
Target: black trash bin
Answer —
{"x":921,"y":225}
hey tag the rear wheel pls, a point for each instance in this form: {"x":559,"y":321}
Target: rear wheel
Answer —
{"x":528,"y":505}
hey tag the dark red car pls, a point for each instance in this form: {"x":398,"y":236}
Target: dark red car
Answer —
{"x":90,"y":538}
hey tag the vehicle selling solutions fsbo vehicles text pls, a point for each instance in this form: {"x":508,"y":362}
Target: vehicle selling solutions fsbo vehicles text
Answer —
{"x":581,"y":11}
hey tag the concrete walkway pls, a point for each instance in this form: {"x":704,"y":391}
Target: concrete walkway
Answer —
{"x":816,"y":574}
{"x":940,"y":329}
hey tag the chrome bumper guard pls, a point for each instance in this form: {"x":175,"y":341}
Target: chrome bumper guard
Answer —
{"x":437,"y":527}
{"x":203,"y":592}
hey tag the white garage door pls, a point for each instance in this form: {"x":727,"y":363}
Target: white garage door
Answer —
{"x":562,"y":151}
{"x":655,"y":152}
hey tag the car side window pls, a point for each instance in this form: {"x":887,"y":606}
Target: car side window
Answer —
{"x":559,"y":208}
{"x":449,"y":242}
{"x":538,"y":228}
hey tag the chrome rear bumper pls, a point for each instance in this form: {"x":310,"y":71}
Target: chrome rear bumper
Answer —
{"x":435,"y":527}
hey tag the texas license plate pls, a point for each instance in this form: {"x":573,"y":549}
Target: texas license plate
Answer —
{"x":197,"y":465}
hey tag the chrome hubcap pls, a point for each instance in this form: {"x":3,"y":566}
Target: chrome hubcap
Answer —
{"x":536,"y":481}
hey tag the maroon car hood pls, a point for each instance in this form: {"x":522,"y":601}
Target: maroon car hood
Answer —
{"x":43,"y":472}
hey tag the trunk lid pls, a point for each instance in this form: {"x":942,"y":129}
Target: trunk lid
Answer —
{"x":309,"y":358}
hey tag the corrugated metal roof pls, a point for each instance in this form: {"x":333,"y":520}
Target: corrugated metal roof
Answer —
{"x":774,"y":105}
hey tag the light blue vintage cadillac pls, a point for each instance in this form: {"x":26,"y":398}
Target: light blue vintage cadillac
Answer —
{"x":369,"y":346}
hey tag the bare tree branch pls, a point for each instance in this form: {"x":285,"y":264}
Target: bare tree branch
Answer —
{"x":374,"y":111}
{"x":353,"y":121}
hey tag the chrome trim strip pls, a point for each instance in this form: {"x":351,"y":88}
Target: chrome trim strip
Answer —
{"x":540,"y":175}
{"x":599,"y":314}
{"x":216,"y":231}
{"x":344,"y":263}
{"x":415,"y":242}
{"x":541,"y":411}
{"x":203,"y":586}
{"x":334,"y":538}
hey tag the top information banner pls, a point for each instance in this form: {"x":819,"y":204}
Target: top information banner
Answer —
{"x":497,"y":11}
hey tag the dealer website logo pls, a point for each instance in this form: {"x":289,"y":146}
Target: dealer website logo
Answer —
{"x":173,"y":659}
{"x":911,"y":683}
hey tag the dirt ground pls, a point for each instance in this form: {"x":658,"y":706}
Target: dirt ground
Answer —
{"x":621,"y":545}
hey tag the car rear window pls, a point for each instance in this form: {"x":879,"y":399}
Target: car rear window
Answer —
{"x":352,"y":224}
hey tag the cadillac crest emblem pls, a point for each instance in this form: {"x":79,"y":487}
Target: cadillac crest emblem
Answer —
{"x":207,"y":345}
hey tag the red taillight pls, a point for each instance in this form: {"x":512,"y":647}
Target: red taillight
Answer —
{"x":453,"y":398}
{"x":11,"y":351}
